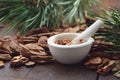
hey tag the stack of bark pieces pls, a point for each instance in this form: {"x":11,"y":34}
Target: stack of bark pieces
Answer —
{"x":30,"y":49}
{"x":103,"y":63}
{"x":26,"y":50}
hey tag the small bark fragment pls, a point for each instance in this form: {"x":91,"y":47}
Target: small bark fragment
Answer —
{"x":117,"y":74}
{"x":45,"y":34}
{"x":4,"y":50}
{"x":18,"y":61}
{"x":5,"y":57}
{"x":74,"y":29}
{"x":115,"y":56}
{"x":37,"y":31}
{"x":6,"y":45}
{"x":42,"y":59}
{"x":30,"y":64}
{"x":26,"y":40}
{"x":104,"y":62}
{"x":93,"y":62}
{"x":1,"y":64}
{"x":99,"y":47}
{"x":117,"y":66}
{"x":14,"y":46}
{"x":31,"y":49}
{"x":107,"y":68}
{"x":43,"y":42}
{"x":99,"y":54}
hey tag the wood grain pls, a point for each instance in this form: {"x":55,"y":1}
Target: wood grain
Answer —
{"x":8,"y":73}
{"x":61,"y":72}
{"x":108,"y":77}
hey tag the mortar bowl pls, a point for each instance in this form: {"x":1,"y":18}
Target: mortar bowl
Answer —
{"x":69,"y":54}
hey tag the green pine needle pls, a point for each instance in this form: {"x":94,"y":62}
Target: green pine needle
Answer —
{"x":30,"y":14}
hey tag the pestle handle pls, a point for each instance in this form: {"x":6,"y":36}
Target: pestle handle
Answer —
{"x":90,"y":31}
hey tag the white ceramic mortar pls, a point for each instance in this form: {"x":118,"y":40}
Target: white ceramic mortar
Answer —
{"x":69,"y":54}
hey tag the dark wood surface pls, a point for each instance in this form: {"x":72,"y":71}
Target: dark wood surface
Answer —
{"x":108,"y":77}
{"x":53,"y":71}
{"x":60,"y":72}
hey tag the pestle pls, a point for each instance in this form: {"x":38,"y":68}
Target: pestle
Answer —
{"x":90,"y":31}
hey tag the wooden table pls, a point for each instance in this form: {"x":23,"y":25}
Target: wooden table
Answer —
{"x":53,"y":71}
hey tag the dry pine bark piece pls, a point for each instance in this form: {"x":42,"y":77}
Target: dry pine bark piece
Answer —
{"x":4,"y":50}
{"x":1,"y":64}
{"x":43,"y":42}
{"x":104,"y":62}
{"x":30,"y":64}
{"x":106,"y":68}
{"x":98,"y":54}
{"x":117,"y":74}
{"x":18,"y":61}
{"x":115,"y":56}
{"x":31,"y":49}
{"x":74,"y":29}
{"x":6,"y":46}
{"x":14,"y":46}
{"x":37,"y":31}
{"x":42,"y":59}
{"x":99,"y":47}
{"x":93,"y":63}
{"x":45,"y":34}
{"x":26,"y":40}
{"x":117,"y":66}
{"x":5,"y":57}
{"x":9,"y":46}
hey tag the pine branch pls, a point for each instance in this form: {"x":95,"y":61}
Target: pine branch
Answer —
{"x":112,"y":20}
{"x":74,"y":10}
{"x":30,"y":14}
